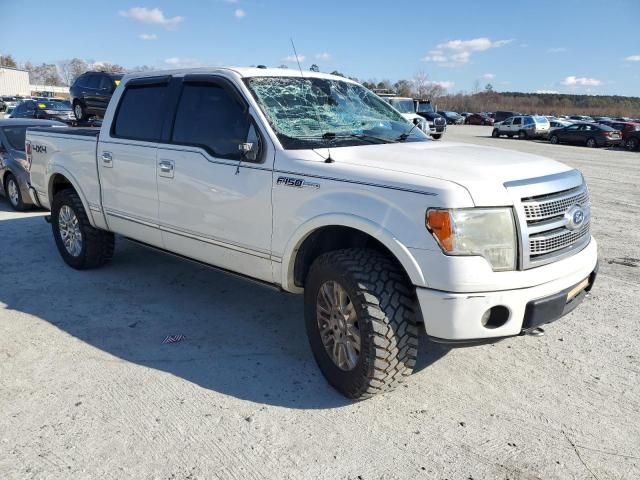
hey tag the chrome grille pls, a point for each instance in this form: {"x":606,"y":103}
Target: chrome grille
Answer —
{"x":546,"y":208}
{"x":554,"y":205}
{"x":554,"y":240}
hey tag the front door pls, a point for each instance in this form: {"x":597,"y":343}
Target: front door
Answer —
{"x":215,"y":199}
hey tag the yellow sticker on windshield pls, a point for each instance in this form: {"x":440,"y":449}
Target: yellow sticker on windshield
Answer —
{"x":117,"y":82}
{"x":42,"y":105}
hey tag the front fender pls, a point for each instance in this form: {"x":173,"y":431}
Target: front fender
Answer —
{"x":398,"y":249}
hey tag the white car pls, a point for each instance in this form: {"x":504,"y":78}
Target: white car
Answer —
{"x":312,"y":184}
{"x":523,"y":127}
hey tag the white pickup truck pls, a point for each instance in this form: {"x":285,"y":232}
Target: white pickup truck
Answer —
{"x":311,"y":183}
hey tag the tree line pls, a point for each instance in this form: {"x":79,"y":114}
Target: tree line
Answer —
{"x":421,"y":86}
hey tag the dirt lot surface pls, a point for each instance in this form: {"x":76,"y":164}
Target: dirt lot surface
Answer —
{"x":89,"y":391}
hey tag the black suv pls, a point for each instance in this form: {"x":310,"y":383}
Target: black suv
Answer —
{"x":91,"y":92}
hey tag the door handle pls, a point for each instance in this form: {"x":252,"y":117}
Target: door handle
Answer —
{"x":107,"y":160}
{"x":166,"y":168}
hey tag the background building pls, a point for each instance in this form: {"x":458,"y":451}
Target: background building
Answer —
{"x":14,"y":81}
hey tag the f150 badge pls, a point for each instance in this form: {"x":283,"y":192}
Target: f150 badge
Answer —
{"x":296,"y":182}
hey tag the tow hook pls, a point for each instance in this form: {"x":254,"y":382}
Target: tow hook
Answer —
{"x":47,"y":218}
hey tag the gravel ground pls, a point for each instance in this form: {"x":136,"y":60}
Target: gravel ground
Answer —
{"x":88,"y":390}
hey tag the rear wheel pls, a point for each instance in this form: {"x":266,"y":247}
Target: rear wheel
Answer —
{"x":632,"y":144}
{"x":554,"y":139}
{"x":591,"y":142}
{"x":436,"y":136}
{"x":79,"y":111}
{"x":361,"y":321}
{"x":12,"y":189}
{"x":80,"y":245}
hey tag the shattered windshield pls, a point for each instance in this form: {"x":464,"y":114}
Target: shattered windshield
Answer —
{"x":318,"y":112}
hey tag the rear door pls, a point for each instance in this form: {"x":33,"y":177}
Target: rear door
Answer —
{"x":127,"y":160}
{"x":103,"y":93}
{"x":215,"y":202}
{"x":516,"y":125}
{"x":90,"y":89}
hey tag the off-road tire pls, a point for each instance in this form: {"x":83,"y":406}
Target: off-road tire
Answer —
{"x":97,"y":245}
{"x":385,"y":305}
{"x":19,"y":206}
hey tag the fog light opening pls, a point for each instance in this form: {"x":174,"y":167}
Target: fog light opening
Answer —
{"x":495,"y":317}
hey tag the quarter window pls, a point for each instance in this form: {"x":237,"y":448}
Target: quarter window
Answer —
{"x":209,"y":117}
{"x":141,"y":113}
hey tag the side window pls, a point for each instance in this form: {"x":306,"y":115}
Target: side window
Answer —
{"x":574,"y":127}
{"x":209,"y":117}
{"x":141,"y":112}
{"x":93,"y":81}
{"x":105,"y":82}
{"x":517,"y":121}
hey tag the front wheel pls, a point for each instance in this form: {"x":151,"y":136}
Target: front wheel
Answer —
{"x":80,"y":245}
{"x":554,"y":139}
{"x":360,"y":315}
{"x":522,"y":135}
{"x":436,"y":136}
{"x":632,"y":144}
{"x":12,"y":189}
{"x":495,"y":133}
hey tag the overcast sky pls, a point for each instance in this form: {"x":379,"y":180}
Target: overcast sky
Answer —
{"x":575,"y":46}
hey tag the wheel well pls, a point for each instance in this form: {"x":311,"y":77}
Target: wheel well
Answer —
{"x":330,"y":238}
{"x":57,"y":184}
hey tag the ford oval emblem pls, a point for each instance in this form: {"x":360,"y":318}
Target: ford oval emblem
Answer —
{"x":574,"y":217}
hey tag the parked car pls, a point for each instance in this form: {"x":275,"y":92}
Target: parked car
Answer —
{"x":90,"y":93}
{"x":625,"y":128}
{"x":14,"y":169}
{"x":501,"y":116}
{"x":523,"y":127}
{"x":44,"y":110}
{"x":478,"y":119}
{"x":580,"y":118}
{"x":590,"y":134}
{"x":8,"y":102}
{"x":452,"y":118}
{"x":437,"y":123}
{"x":384,"y":231}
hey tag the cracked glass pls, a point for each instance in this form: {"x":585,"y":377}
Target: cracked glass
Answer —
{"x":318,"y":112}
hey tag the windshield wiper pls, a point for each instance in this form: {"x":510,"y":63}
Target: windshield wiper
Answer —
{"x":402,"y":137}
{"x":370,"y":138}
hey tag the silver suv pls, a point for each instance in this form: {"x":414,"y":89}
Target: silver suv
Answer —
{"x":523,"y":126}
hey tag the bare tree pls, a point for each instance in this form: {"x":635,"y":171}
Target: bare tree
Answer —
{"x":71,"y":69}
{"x":476,"y":87}
{"x":43,"y":74}
{"x":403,"y":88}
{"x":108,"y":67}
{"x":7,"y":61}
{"x":314,"y":68}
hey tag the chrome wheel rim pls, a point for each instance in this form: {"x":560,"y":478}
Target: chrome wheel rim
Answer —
{"x":338,"y":325}
{"x":70,"y":231}
{"x":12,"y":190}
{"x":78,"y":111}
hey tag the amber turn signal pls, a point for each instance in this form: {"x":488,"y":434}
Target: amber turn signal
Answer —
{"x":439,"y":224}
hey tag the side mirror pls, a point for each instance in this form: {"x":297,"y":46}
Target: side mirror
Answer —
{"x":249,"y":151}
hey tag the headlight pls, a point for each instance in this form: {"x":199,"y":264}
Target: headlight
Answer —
{"x":487,"y":232}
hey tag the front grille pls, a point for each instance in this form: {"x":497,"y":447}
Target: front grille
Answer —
{"x":547,"y":231}
{"x":554,"y":240}
{"x":554,"y":205}
{"x":439,"y":121}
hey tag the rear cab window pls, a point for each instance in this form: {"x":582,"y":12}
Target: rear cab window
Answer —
{"x":141,"y":111}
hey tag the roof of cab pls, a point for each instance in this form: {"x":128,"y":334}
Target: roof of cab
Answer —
{"x":240,"y":72}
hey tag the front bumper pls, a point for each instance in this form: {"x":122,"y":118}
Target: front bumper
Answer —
{"x":457,"y":317}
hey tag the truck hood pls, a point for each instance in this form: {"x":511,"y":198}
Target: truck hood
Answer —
{"x":482,"y":171}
